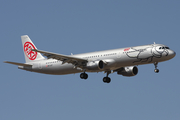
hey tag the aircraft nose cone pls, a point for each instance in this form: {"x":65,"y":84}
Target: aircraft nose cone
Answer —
{"x":172,"y":53}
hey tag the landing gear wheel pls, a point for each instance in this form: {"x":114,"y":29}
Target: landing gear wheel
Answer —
{"x":86,"y":76}
{"x":156,"y":70}
{"x":106,"y":80}
{"x":83,"y":76}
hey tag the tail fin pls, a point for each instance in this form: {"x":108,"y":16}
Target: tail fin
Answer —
{"x":30,"y":56}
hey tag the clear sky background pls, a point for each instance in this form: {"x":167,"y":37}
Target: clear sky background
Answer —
{"x":79,"y":26}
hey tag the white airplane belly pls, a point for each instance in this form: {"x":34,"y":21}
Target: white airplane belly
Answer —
{"x":55,"y":69}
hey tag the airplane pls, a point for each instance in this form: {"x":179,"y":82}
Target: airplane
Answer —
{"x":124,"y":61}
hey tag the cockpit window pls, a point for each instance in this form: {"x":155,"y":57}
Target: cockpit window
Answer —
{"x":164,"y":48}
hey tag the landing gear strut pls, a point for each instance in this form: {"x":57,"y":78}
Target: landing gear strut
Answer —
{"x":83,"y":75}
{"x":107,"y":79}
{"x":156,"y":70}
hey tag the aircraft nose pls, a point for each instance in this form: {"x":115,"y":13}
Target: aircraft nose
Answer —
{"x":172,"y":53}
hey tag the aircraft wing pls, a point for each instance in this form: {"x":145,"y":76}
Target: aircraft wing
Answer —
{"x":77,"y":62}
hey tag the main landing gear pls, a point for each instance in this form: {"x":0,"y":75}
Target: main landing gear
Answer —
{"x":83,"y":75}
{"x":107,"y":79}
{"x":156,"y":70}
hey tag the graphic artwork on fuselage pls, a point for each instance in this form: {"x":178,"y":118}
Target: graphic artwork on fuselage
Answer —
{"x":147,"y":53}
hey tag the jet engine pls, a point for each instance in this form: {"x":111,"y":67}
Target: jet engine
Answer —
{"x":95,"y":65}
{"x":128,"y":71}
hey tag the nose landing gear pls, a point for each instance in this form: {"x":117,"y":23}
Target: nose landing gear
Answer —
{"x":156,"y":70}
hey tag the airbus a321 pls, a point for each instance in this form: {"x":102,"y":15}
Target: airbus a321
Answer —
{"x":124,"y":61}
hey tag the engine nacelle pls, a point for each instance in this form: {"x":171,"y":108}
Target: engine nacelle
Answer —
{"x":95,"y":65}
{"x":128,"y":71}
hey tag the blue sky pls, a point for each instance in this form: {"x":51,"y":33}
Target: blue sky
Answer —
{"x":69,"y":26}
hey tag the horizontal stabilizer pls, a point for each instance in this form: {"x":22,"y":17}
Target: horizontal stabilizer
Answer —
{"x":15,"y":63}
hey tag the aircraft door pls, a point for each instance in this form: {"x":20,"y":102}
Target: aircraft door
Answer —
{"x":39,"y":66}
{"x":118,"y":54}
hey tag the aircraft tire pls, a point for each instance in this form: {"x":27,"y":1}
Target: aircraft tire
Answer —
{"x":83,"y":76}
{"x":106,"y":80}
{"x":156,"y":70}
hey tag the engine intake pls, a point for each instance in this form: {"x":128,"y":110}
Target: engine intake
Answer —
{"x":128,"y":71}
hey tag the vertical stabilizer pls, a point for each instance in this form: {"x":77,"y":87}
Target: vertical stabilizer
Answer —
{"x":30,"y":56}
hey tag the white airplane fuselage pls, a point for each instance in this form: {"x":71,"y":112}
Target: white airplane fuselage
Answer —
{"x":117,"y":58}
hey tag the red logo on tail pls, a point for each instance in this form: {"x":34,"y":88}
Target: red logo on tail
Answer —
{"x":27,"y":49}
